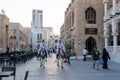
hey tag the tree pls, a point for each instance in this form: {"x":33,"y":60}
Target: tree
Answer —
{"x":68,"y":46}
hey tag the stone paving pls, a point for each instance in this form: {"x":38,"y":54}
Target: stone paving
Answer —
{"x":78,"y":70}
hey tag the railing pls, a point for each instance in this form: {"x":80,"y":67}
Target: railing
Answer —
{"x":117,"y":9}
{"x":109,"y":12}
{"x":110,"y":49}
{"x":118,"y":49}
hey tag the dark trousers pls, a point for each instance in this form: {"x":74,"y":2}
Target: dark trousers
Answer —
{"x":68,"y":58}
{"x":84,"y":59}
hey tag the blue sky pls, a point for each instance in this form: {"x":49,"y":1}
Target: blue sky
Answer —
{"x":21,"y":11}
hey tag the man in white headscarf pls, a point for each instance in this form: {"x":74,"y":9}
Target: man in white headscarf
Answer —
{"x":43,"y":55}
{"x":60,"y":53}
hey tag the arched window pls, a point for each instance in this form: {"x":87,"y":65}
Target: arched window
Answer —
{"x":90,"y":16}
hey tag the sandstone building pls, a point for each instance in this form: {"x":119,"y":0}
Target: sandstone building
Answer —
{"x":83,"y":25}
{"x":4,"y":32}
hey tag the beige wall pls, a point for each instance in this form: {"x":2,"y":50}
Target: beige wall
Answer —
{"x":28,"y":33}
{"x":76,"y":32}
{"x":21,"y":36}
{"x":48,"y":31}
{"x":4,"y":32}
{"x":63,"y":33}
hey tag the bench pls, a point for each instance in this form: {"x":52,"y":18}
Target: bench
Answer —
{"x":6,"y":69}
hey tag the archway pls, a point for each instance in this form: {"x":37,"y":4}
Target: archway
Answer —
{"x":90,"y":44}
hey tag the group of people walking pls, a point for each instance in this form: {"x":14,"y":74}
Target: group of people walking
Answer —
{"x":59,"y":51}
{"x":104,"y":58}
{"x":97,"y":57}
{"x":61,"y":54}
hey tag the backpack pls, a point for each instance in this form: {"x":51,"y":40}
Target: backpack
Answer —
{"x":96,"y":55}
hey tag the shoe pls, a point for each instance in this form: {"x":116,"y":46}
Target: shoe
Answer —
{"x":68,"y":62}
{"x":58,"y":65}
{"x":98,"y":69}
{"x":41,"y":65}
{"x":37,"y":58}
{"x":105,"y":68}
{"x":62,"y":67}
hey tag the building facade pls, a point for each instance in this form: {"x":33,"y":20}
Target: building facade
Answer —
{"x":27,"y":31}
{"x":52,"y":40}
{"x":112,"y":28}
{"x":83,"y":25}
{"x":4,"y":32}
{"x":17,"y":37}
{"x":48,"y":31}
{"x":63,"y":34}
{"x":37,"y":28}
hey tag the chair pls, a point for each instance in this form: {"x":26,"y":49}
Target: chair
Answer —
{"x":5,"y":69}
{"x":26,"y":75}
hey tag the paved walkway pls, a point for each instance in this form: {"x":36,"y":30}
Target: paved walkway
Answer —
{"x":78,"y":70}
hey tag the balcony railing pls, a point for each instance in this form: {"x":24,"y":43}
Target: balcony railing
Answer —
{"x":117,"y":9}
{"x":110,"y":49}
{"x":109,"y":12}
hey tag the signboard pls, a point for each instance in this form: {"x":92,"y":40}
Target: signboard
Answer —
{"x":91,"y":31}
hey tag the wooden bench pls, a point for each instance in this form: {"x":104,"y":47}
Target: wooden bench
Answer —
{"x":6,"y":69}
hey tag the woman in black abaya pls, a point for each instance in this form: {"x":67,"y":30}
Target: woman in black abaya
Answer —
{"x":105,"y":57}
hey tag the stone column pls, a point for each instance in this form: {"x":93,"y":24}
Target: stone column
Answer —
{"x":114,"y":33}
{"x":105,"y":8}
{"x":106,"y":35}
{"x":114,"y":4}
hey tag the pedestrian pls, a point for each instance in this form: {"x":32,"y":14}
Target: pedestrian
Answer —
{"x":60,"y":53}
{"x":96,"y":56}
{"x":48,"y":50}
{"x":7,"y":51}
{"x":42,"y":52}
{"x":85,"y":52}
{"x":105,"y":57}
{"x":67,"y":55}
{"x":55,"y":49}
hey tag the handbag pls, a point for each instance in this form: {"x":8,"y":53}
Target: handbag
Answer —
{"x":101,"y":62}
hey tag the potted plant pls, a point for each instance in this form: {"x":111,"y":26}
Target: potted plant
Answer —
{"x":68,"y":46}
